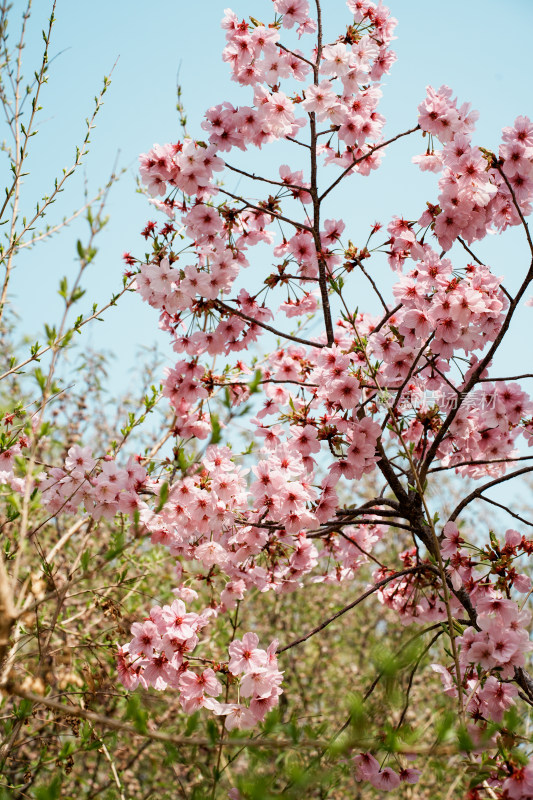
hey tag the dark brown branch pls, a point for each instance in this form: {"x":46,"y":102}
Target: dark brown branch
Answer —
{"x":511,"y":378}
{"x":516,"y":204}
{"x":387,"y":470}
{"x":431,"y":363}
{"x":219,"y":304}
{"x":335,"y":527}
{"x":274,"y":214}
{"x":365,"y":156}
{"x":296,"y":55}
{"x":377,"y":501}
{"x":268,"y":380}
{"x":358,"y":512}
{"x":387,"y":316}
{"x":302,"y":144}
{"x":375,"y":588}
{"x":255,"y":177}
{"x":472,"y":463}
{"x":508,"y":510}
{"x":408,"y":377}
{"x":361,"y":549}
{"x":524,"y":680}
{"x":477,"y":492}
{"x":283,"y":276}
{"x":158,"y":736}
{"x":322,"y":266}
{"x":373,"y":284}
{"x":469,"y":251}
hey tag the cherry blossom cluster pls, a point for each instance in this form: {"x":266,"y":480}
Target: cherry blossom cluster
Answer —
{"x":160,"y":656}
{"x":500,"y":638}
{"x":256,"y":60}
{"x":8,"y":458}
{"x":253,"y":52}
{"x":367,"y":768}
{"x":500,"y":558}
{"x":477,"y":190}
{"x":439,"y":309}
{"x":414,"y":597}
{"x":102,"y":488}
{"x":186,"y":166}
{"x":253,"y":532}
{"x":492,"y":650}
{"x":456,"y":313}
{"x":519,"y":784}
{"x":462,"y":312}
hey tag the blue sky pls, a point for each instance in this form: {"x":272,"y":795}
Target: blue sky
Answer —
{"x":484,"y":56}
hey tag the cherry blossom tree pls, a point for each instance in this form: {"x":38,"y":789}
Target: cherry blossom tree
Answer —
{"x":288,"y":402}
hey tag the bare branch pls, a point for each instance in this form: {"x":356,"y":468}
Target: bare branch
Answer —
{"x":355,"y":603}
{"x":477,"y":492}
{"x":158,"y":736}
{"x":274,"y":214}
{"x":244,"y":316}
{"x":365,"y":156}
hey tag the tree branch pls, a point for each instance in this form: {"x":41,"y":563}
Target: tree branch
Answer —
{"x":244,"y":316}
{"x":355,"y":603}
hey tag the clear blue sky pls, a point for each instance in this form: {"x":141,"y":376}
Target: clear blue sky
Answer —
{"x":484,"y":55}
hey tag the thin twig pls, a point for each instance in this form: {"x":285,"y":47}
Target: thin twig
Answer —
{"x":158,"y":736}
{"x":374,"y":588}
{"x":365,"y":156}
{"x":477,"y":492}
{"x":244,"y":316}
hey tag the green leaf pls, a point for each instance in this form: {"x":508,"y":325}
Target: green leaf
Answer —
{"x":118,"y":543}
{"x":215,"y":429}
{"x":51,"y":333}
{"x":254,"y":385}
{"x":136,"y":714}
{"x":50,"y":792}
{"x":464,"y":740}
{"x":163,"y":497}
{"x":192,"y":723}
{"x":85,"y":558}
{"x":444,"y":726}
{"x":77,"y":294}
{"x":212,"y":731}
{"x":494,"y":540}
{"x":23,"y":709}
{"x":63,"y":287}
{"x":40,"y":377}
